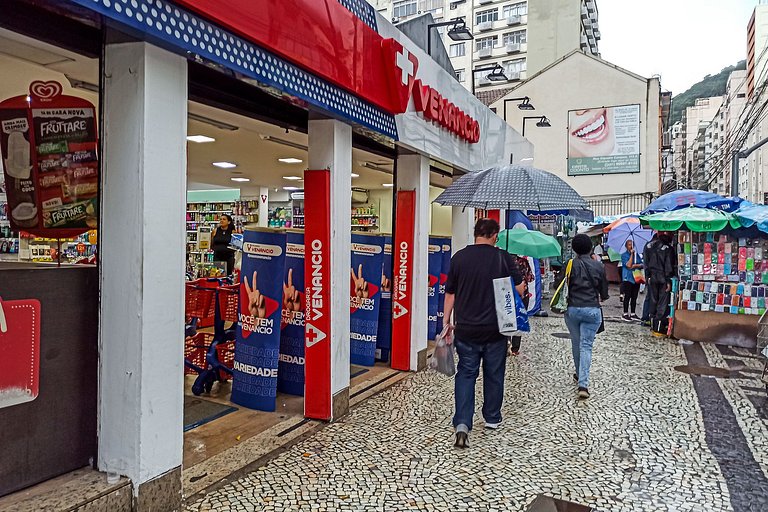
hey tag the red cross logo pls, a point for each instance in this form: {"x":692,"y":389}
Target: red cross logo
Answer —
{"x":398,"y":310}
{"x":313,"y":335}
{"x":403,"y":66}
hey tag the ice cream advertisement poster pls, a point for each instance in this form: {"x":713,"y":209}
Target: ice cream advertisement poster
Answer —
{"x":604,"y":140}
{"x":48,"y":142}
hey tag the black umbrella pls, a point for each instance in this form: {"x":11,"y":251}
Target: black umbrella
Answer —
{"x":512,"y":187}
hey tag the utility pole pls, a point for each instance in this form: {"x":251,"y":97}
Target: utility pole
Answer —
{"x":744,"y":153}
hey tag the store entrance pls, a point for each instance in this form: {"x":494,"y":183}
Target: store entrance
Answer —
{"x":246,"y":175}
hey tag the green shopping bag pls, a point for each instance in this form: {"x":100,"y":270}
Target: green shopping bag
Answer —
{"x":559,"y":302}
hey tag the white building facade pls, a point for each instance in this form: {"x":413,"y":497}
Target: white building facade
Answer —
{"x":565,"y":117}
{"x":522,"y":37}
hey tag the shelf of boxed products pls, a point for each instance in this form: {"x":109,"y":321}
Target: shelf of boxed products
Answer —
{"x":722,"y":273}
{"x":44,"y":250}
{"x":365,"y":217}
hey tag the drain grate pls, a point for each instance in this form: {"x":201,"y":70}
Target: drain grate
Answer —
{"x":549,"y":504}
{"x":563,"y":335}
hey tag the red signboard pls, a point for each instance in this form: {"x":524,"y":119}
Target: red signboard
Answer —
{"x":48,"y":144}
{"x":325,"y":39}
{"x":321,"y":36}
{"x":317,"y":278}
{"x":402,"y":279}
{"x":19,"y":351}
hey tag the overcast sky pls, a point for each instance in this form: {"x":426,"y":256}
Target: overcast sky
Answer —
{"x":681,"y":40}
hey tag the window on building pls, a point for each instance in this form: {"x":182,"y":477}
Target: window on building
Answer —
{"x":429,"y":5}
{"x":520,"y":9}
{"x":456,"y":3}
{"x":457,"y":50}
{"x":488,"y":15}
{"x":486,"y":42}
{"x":404,"y":8}
{"x":517,"y":37}
{"x":514,"y":66}
{"x":741,"y":95}
{"x":461,"y":75}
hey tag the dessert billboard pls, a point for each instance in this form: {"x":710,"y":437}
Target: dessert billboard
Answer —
{"x":48,"y":142}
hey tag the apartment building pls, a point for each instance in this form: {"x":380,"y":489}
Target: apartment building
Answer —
{"x":753,"y":171}
{"x":721,"y":135}
{"x":695,"y":122}
{"x":514,"y":38}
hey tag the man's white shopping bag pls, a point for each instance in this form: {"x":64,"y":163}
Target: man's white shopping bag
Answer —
{"x":506,"y":306}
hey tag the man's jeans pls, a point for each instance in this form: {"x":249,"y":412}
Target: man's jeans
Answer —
{"x":582,"y":324}
{"x":493,"y":356}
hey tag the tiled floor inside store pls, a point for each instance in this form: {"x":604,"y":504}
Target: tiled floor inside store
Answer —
{"x":651,"y":438}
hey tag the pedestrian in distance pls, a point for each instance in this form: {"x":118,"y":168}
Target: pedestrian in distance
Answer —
{"x":587,"y":287}
{"x":528,"y":277}
{"x":470,"y":299}
{"x":630,"y":288}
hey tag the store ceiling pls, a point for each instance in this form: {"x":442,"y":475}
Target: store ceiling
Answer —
{"x":247,"y":145}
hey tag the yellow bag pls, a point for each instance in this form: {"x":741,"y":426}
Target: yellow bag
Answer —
{"x":559,"y":302}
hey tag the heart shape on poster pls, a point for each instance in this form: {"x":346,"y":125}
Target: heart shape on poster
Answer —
{"x":45,"y":90}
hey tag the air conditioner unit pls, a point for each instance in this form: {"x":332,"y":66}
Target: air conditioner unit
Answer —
{"x":360,"y":195}
{"x":514,"y":20}
{"x":484,"y":53}
{"x":513,"y":47}
{"x":486,"y":25}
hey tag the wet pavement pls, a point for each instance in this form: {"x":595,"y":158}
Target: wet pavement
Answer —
{"x":651,"y":439}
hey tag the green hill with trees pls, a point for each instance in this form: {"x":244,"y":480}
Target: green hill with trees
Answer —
{"x":710,"y":85}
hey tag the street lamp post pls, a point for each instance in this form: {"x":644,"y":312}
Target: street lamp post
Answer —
{"x":524,"y":105}
{"x":496,"y":74}
{"x":458,"y":32}
{"x":543,"y":122}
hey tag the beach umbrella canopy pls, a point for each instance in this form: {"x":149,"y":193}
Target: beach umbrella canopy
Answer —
{"x":630,"y":219}
{"x":525,"y":242}
{"x":512,"y":187}
{"x":753,"y":215}
{"x":679,"y":199}
{"x":628,"y":228}
{"x":695,"y":219}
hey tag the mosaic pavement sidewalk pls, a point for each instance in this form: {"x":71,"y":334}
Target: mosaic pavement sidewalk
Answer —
{"x":650,"y":438}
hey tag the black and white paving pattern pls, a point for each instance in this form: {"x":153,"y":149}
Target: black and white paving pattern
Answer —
{"x":649,"y":439}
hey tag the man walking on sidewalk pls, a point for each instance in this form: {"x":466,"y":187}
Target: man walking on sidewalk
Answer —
{"x":469,"y":291}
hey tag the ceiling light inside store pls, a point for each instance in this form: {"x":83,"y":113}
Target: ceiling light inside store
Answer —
{"x":200,"y":139}
{"x":387,"y":185}
{"x":240,"y":179}
{"x":291,"y":188}
{"x":224,"y":165}
{"x":290,"y":160}
{"x":354,"y":175}
{"x":292,"y":178}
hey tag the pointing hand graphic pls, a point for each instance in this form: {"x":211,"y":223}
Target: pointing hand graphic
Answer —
{"x":361,"y":286}
{"x":256,"y":301}
{"x":291,"y":297}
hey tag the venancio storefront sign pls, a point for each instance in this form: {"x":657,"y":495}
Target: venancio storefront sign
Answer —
{"x":441,"y":111}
